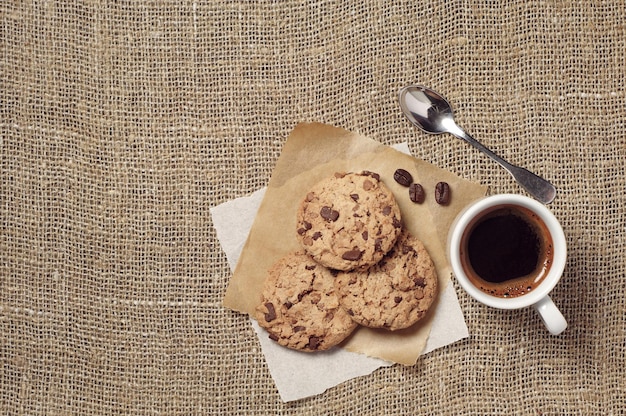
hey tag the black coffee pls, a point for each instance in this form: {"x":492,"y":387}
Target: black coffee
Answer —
{"x":508,"y":252}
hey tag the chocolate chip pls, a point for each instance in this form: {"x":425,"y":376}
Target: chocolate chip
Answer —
{"x":271,"y":312}
{"x":273,"y":337}
{"x":388,"y":266}
{"x":372,"y":174}
{"x":403,"y":177}
{"x":307,"y":225}
{"x":420,"y":282}
{"x":314,"y":342}
{"x":367,"y":185}
{"x":329,"y":214}
{"x":387,"y":210}
{"x":315,"y":298}
{"x":416,"y":193}
{"x":288,"y":305}
{"x":397,"y":299}
{"x":442,"y":193}
{"x":355,"y":197}
{"x":316,"y":235}
{"x":298,"y":328}
{"x":310,"y":266}
{"x":365,"y":235}
{"x":302,"y":294}
{"x":396,"y":223}
{"x":352,"y":255}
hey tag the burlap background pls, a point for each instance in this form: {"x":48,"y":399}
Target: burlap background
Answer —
{"x":122,"y":122}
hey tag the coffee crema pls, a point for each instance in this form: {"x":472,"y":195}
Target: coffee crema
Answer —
{"x":507,"y":252}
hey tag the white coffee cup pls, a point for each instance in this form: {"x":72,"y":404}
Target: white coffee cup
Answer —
{"x":537,"y":297}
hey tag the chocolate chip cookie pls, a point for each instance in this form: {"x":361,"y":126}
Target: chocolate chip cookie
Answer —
{"x":349,"y":221}
{"x":299,"y":305}
{"x":395,"y":293}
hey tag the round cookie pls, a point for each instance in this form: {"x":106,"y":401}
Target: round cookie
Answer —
{"x":299,"y":305}
{"x":349,"y":221}
{"x":395,"y":293}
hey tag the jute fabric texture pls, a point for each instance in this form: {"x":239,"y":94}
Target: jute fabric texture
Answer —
{"x":123,"y":122}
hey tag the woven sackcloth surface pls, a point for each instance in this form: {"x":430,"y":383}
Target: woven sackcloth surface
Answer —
{"x":123,"y":122}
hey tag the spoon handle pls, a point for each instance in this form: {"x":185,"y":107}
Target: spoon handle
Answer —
{"x":539,"y":188}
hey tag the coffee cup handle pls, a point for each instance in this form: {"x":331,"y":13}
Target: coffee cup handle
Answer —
{"x":551,"y":316}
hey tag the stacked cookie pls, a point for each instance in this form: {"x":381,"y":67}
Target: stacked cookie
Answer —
{"x":357,"y":266}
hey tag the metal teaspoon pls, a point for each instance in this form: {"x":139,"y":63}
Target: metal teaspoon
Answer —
{"x":429,"y":111}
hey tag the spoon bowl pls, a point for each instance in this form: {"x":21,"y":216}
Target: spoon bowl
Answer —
{"x":431,"y":112}
{"x":425,"y":108}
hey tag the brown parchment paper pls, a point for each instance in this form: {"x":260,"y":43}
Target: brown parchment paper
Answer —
{"x":313,"y":152}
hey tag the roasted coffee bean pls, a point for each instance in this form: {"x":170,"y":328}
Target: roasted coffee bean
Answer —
{"x":329,"y":214}
{"x":403,"y":177}
{"x":442,"y":193}
{"x":416,"y":193}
